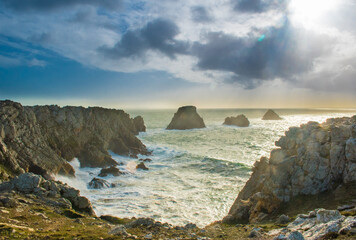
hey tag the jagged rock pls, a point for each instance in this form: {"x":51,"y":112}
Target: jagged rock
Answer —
{"x":29,"y":183}
{"x":110,"y":171}
{"x":239,"y":120}
{"x":186,"y":118}
{"x":271,"y":115}
{"x":255,"y":233}
{"x":41,"y":139}
{"x":119,"y":231}
{"x":139,"y":124}
{"x":97,"y":183}
{"x":142,"y":166}
{"x":319,"y":224}
{"x":146,"y":160}
{"x":311,"y":159}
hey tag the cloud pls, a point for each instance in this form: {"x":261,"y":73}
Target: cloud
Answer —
{"x":258,"y":6}
{"x":201,"y":15}
{"x":157,"y":35}
{"x":48,"y":5}
{"x":278,"y":52}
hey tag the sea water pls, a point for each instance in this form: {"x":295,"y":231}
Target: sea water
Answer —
{"x":195,"y":175}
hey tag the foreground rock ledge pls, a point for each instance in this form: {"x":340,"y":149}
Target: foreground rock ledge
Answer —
{"x":42,"y":139}
{"x":186,"y":118}
{"x":312,"y":159}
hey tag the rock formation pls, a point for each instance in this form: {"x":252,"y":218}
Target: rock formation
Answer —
{"x":271,"y":115}
{"x":141,"y":166}
{"x":29,"y":183}
{"x":41,"y":139}
{"x":110,"y":171}
{"x":312,"y":158}
{"x":240,"y":121}
{"x":186,"y":118}
{"x":97,"y":183}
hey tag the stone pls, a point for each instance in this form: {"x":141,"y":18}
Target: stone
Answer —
{"x":240,"y":121}
{"x":118,"y":231}
{"x":97,"y":183}
{"x":186,"y":118}
{"x":146,"y":222}
{"x":271,"y":115}
{"x":283,"y":219}
{"x":323,"y":216}
{"x":295,"y":236}
{"x":350,"y":149}
{"x":141,"y":166}
{"x":255,"y":233}
{"x":345,"y":207}
{"x":27,"y":182}
{"x":110,"y":171}
{"x":139,"y":124}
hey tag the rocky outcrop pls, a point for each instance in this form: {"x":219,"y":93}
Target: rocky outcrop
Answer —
{"x":240,"y":121}
{"x":97,"y":183}
{"x":114,"y":171}
{"x":312,"y":158}
{"x":317,"y":224}
{"x":186,"y":118}
{"x":139,"y":124}
{"x":271,"y":115}
{"x":29,"y":183}
{"x":42,"y":139}
{"x":141,"y":166}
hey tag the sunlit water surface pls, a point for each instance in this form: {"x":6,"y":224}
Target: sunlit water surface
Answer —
{"x":195,"y":175}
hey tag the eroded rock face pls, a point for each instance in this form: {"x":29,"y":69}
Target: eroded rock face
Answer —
{"x":186,"y":118}
{"x":271,"y":115}
{"x":41,"y":139}
{"x":97,"y":183}
{"x":240,"y":121}
{"x":312,"y":158}
{"x":29,"y":183}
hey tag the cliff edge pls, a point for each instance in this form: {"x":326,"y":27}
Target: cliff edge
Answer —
{"x":312,"y":159}
{"x":42,"y":139}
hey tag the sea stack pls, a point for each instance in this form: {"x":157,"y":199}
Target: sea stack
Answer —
{"x":186,"y":118}
{"x":240,"y":121}
{"x":271,"y":115}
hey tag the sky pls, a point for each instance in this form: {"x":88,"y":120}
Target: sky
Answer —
{"x":165,"y":53}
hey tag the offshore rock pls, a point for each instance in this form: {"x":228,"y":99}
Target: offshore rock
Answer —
{"x":271,"y":115}
{"x":42,"y":139}
{"x":186,"y":118}
{"x":139,"y":124}
{"x":97,"y":183}
{"x":312,"y":159}
{"x":110,"y":171}
{"x":240,"y":121}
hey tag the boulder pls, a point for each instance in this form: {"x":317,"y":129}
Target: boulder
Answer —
{"x":97,"y":183}
{"x":141,"y":166}
{"x":239,"y":120}
{"x":271,"y":115}
{"x":186,"y":118}
{"x":110,"y":171}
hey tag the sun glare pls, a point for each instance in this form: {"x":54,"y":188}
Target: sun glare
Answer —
{"x":311,"y":12}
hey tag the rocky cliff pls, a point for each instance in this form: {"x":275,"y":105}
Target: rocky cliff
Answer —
{"x":186,"y":118}
{"x":312,"y":158}
{"x":42,"y":139}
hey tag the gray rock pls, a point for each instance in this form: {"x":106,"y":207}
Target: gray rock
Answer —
{"x":97,"y":183}
{"x":118,"y":231}
{"x":283,"y":219}
{"x":271,"y":115}
{"x":295,"y":236}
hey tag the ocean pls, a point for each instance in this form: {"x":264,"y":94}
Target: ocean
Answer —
{"x":195,"y":175}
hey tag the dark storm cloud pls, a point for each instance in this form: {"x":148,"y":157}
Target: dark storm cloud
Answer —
{"x":158,"y":35}
{"x":48,"y":5}
{"x":258,"y":6}
{"x":278,"y":53}
{"x":200,"y":14}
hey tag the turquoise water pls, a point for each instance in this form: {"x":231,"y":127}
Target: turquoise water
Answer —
{"x":195,"y":175}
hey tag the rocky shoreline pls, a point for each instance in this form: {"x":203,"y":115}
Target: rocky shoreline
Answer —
{"x":313,"y":162}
